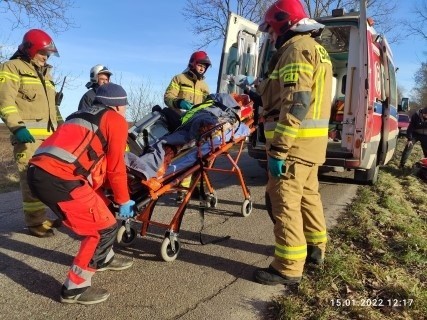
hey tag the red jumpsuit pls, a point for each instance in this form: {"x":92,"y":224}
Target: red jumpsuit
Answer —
{"x":67,"y":173}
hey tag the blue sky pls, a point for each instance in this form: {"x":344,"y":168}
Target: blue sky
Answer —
{"x":149,"y":42}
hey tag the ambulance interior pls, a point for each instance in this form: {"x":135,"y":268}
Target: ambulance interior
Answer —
{"x":335,"y":39}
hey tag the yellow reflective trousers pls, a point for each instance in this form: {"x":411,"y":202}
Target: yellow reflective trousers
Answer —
{"x":34,"y":209}
{"x":298,"y":212}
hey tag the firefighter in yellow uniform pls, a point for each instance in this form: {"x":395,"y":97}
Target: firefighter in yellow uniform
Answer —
{"x":186,"y":90}
{"x":28,"y":108}
{"x":296,"y":100}
{"x":189,"y":88}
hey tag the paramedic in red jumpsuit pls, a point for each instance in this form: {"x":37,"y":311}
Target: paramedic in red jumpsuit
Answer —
{"x":67,"y":173}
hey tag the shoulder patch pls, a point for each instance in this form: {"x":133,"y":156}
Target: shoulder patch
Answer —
{"x":324,"y":55}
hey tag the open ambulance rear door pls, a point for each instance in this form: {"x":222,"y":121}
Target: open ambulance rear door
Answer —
{"x":239,"y":53}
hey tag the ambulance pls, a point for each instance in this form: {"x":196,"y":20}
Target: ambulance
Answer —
{"x":363,"y":127}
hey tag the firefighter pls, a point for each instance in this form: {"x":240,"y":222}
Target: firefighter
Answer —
{"x":187,"y":89}
{"x":67,"y":173}
{"x":296,"y":98}
{"x":99,"y":75}
{"x":417,"y":131}
{"x":28,"y":108}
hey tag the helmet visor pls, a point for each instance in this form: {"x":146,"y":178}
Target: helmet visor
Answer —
{"x":49,"y":50}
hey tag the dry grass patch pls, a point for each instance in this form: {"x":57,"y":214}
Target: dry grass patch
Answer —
{"x":376,"y":265}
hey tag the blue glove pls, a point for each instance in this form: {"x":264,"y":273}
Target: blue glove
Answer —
{"x":126,"y":209}
{"x":275,"y":166}
{"x":24,"y":136}
{"x":244,"y":81}
{"x":185,"y":105}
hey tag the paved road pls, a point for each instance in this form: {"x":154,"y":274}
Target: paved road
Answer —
{"x":210,"y":281}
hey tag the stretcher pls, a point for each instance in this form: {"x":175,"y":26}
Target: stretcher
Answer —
{"x":197,"y":161}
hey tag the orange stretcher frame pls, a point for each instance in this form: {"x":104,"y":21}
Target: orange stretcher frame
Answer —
{"x":169,"y":184}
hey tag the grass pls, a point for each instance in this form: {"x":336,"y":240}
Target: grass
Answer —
{"x":376,"y":258}
{"x":9,"y":178}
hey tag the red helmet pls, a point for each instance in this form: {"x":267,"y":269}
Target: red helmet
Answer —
{"x":36,"y":40}
{"x":199,"y":57}
{"x":282,"y":15}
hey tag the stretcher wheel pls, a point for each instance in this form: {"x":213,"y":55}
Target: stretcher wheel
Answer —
{"x":124,"y":238}
{"x":167,"y":252}
{"x":247,"y":208}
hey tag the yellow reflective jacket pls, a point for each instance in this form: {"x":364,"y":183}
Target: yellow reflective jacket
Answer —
{"x":27,"y":98}
{"x":185,"y":86}
{"x":296,"y":100}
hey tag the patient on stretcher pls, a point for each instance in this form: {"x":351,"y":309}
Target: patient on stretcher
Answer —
{"x":171,"y":152}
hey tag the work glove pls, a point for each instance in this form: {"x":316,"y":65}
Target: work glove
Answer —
{"x":243,"y":82}
{"x":24,"y":136}
{"x":185,"y":105}
{"x":126,"y":209}
{"x":275,"y":166}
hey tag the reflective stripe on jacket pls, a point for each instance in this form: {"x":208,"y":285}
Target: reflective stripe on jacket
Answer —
{"x":185,"y":86}
{"x":27,"y":98}
{"x":190,"y":113}
{"x":296,"y":100}
{"x":222,"y":112}
{"x":111,"y":164}
{"x":81,"y":143}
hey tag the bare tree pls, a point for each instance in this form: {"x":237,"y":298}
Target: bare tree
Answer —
{"x":419,"y":92}
{"x":208,"y":18}
{"x":50,"y":14}
{"x":142,"y":98}
{"x":417,"y":25}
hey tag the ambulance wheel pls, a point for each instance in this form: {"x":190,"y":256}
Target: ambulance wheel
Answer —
{"x":247,"y":208}
{"x":212,"y":200}
{"x":168,"y":254}
{"x":123,"y":238}
{"x":369,"y":176}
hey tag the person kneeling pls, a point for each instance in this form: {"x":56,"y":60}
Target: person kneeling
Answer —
{"x":67,"y":173}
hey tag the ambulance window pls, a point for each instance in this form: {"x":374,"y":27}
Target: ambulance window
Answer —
{"x":267,"y":52}
{"x":232,"y":60}
{"x":393,"y":87}
{"x":335,"y":39}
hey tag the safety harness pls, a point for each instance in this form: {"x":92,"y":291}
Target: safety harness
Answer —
{"x":85,"y":146}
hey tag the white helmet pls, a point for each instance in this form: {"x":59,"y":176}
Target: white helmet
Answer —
{"x":95,"y":70}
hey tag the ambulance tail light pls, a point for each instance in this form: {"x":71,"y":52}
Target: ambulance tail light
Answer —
{"x":357,"y":143}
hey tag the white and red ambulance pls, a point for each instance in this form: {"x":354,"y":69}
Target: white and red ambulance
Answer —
{"x":363,"y":127}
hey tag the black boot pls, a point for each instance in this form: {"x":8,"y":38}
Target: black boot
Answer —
{"x":41,"y":231}
{"x":271,"y":276}
{"x":314,"y":256}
